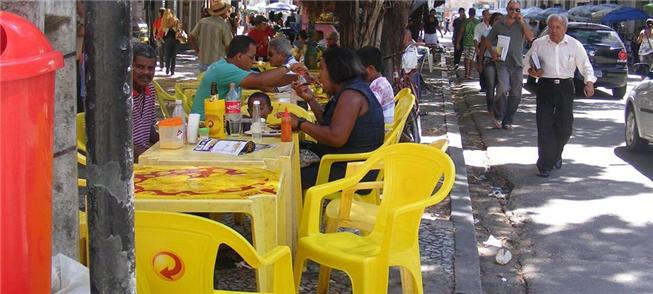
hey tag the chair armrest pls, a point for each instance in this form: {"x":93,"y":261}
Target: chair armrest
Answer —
{"x":280,"y":259}
{"x":329,"y":159}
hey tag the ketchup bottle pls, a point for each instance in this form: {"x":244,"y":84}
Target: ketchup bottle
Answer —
{"x":286,"y":128}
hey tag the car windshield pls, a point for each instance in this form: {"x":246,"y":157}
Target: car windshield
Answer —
{"x":602,"y":37}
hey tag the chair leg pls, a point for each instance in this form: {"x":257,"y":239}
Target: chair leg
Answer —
{"x":298,"y":268}
{"x":369,"y":281}
{"x":323,"y":280}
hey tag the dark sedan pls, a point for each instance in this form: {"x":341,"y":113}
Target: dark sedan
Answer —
{"x":606,"y":53}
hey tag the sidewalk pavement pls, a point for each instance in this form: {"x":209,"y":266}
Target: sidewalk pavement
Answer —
{"x":447,"y":241}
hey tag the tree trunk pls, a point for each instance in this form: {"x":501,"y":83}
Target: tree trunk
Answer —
{"x":395,"y":20}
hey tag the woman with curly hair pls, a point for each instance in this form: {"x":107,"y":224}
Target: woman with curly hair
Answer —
{"x":170,"y":28}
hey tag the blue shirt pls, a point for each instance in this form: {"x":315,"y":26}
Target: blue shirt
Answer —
{"x":223,"y":73}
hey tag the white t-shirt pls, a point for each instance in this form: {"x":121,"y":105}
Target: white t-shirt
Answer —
{"x":384,"y":93}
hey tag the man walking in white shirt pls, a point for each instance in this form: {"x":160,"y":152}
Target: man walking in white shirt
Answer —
{"x":559,"y":55}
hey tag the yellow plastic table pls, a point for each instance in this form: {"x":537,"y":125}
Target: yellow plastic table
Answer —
{"x":243,"y":189}
{"x":275,"y":212}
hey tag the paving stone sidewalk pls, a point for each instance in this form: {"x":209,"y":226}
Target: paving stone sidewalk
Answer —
{"x":436,"y":231}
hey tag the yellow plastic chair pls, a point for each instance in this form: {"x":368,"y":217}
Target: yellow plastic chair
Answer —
{"x":83,"y":239}
{"x":80,"y":122}
{"x":81,"y":143}
{"x":163,"y":98}
{"x":412,"y":173}
{"x":176,"y":253}
{"x":357,"y":214}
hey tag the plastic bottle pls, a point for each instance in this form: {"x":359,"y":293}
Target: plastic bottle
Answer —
{"x":286,"y":128}
{"x":232,"y":110}
{"x":257,"y":125}
{"x":180,"y":113}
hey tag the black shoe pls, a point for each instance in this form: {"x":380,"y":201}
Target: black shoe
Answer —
{"x":558,"y":164}
{"x":544,"y":173}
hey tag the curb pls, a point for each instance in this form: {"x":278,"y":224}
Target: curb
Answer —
{"x":467,"y":269}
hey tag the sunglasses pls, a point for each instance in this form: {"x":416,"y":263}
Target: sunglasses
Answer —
{"x":514,"y":9}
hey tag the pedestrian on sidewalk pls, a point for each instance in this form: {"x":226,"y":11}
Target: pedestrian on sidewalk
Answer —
{"x":645,"y":41}
{"x":466,"y":41}
{"x":559,"y":56}
{"x":446,"y":26}
{"x":171,"y":30}
{"x":431,"y":28}
{"x":481,"y":30}
{"x":488,"y":65}
{"x":158,"y":36}
{"x":457,"y":27}
{"x":212,"y":35}
{"x":509,"y":71}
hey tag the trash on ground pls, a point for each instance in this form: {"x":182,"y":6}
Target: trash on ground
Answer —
{"x":497,"y":192}
{"x":503,"y":256}
{"x":492,"y":241}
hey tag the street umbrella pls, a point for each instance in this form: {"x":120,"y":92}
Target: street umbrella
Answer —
{"x":544,"y":14}
{"x":531,"y":11}
{"x":624,"y":14}
{"x":280,"y":6}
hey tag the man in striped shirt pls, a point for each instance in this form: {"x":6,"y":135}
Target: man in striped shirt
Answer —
{"x":143,"y":97}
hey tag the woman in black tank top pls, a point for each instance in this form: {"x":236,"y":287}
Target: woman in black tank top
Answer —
{"x":352,"y":120}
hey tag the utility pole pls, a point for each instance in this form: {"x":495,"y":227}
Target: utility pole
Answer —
{"x":110,"y":206}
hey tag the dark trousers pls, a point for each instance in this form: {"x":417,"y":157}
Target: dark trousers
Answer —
{"x":457,"y":53}
{"x":481,"y":80}
{"x":170,"y":54}
{"x":555,"y":117}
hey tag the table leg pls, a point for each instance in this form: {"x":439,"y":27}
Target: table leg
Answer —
{"x":264,"y":233}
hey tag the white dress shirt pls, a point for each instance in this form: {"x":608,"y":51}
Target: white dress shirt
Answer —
{"x":560,"y":60}
{"x":481,"y":30}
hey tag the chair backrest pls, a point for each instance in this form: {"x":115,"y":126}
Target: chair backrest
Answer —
{"x":412,"y":173}
{"x":176,"y":253}
{"x":163,"y":97}
{"x":405,"y":101}
{"x":80,"y":122}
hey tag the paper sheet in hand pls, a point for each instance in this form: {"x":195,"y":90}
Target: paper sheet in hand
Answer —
{"x":503,"y":43}
{"x":535,"y":61}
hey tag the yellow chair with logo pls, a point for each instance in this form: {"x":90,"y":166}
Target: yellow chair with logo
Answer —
{"x":412,"y":173}
{"x":176,"y":253}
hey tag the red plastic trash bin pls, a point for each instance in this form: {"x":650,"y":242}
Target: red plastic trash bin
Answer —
{"x":27,"y":67}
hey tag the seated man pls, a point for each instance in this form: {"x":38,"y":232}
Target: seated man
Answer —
{"x":372,"y":60}
{"x":143,"y":96}
{"x":235,"y":68}
{"x":266,"y":104}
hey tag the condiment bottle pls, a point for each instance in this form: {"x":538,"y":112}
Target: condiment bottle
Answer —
{"x":286,"y":128}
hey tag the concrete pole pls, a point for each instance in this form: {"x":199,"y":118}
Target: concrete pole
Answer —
{"x":110,"y":161}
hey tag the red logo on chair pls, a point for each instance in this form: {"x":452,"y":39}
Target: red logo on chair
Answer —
{"x":168,"y":266}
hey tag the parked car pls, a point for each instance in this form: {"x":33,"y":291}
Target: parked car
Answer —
{"x":639,"y":116}
{"x":606,"y":53}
